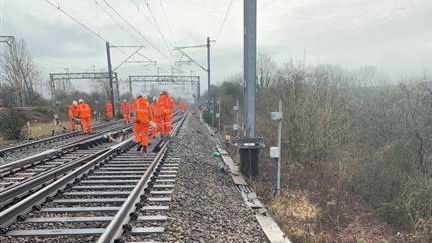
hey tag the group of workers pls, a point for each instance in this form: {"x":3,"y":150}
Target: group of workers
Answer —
{"x":80,"y":112}
{"x":149,"y":118}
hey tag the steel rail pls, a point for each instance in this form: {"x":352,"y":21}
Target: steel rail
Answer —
{"x":31,"y":184}
{"x":59,"y":137}
{"x":50,"y":153}
{"x":9,"y":215}
{"x":115,"y":229}
{"x":12,"y":214}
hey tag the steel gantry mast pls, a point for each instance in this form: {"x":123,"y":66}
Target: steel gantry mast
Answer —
{"x":172,"y":80}
{"x":127,"y":60}
{"x":208,"y":70}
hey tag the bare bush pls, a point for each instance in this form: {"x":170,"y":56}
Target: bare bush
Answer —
{"x":18,"y":71}
{"x":377,"y":137}
{"x":12,"y":124}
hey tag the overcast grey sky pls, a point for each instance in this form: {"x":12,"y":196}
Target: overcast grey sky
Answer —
{"x":393,"y":35}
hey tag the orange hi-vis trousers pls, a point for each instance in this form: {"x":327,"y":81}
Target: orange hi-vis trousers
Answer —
{"x":166,"y":123}
{"x":86,"y":125}
{"x":153,"y":131}
{"x":140,"y":131}
{"x":126,"y":118}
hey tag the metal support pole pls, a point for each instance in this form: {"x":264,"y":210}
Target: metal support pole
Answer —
{"x":199,"y":90}
{"x":212,"y":113}
{"x":64,"y":81}
{"x":110,"y":77}
{"x":250,"y":16}
{"x":278,"y":173}
{"x":118,"y":91}
{"x":211,"y":101}
{"x":208,"y":68}
{"x":237,"y":118}
{"x":130,"y":87}
{"x":219,"y":118}
{"x":54,"y":95}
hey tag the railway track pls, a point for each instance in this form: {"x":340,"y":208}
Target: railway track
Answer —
{"x":23,"y":177}
{"x":28,"y":148}
{"x":120,"y":195}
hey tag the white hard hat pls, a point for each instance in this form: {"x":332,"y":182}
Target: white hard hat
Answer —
{"x":74,"y":102}
{"x":125,"y":100}
{"x":154,"y":98}
{"x":81,"y":101}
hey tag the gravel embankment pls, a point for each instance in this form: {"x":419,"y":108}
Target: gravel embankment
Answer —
{"x":206,"y":205}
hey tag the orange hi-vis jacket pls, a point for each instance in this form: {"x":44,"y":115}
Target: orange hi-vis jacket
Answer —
{"x":125,"y":109}
{"x":164,"y":104}
{"x":172,"y":104}
{"x":182,"y":106}
{"x":108,"y":108}
{"x":73,"y":111}
{"x":84,"y":111}
{"x":155,"y":111}
{"x":141,"y":109}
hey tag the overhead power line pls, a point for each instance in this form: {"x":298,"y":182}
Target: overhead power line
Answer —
{"x":77,"y":21}
{"x":118,"y":23}
{"x":86,"y":27}
{"x":159,"y":29}
{"x":143,"y":14}
{"x":133,"y":27}
{"x":125,"y":30}
{"x":224,"y":20}
{"x":150,"y":21}
{"x":166,"y":19}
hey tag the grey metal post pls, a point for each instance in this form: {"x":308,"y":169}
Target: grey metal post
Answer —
{"x":130,"y":87}
{"x":278,"y":174}
{"x":118,"y":90}
{"x":110,"y":77}
{"x":219,"y":112}
{"x":208,"y":68}
{"x":199,"y":90}
{"x":54,"y":95}
{"x":64,"y":82}
{"x":211,"y":99}
{"x":237,"y":118}
{"x":213,"y":112}
{"x":250,"y":16}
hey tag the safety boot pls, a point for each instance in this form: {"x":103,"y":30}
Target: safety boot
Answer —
{"x":139,"y":146}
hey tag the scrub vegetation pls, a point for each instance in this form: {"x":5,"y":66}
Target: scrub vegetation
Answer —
{"x":357,"y":151}
{"x":12,"y":124}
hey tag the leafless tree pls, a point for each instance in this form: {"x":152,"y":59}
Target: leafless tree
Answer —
{"x":103,"y":84}
{"x":18,"y":70}
{"x":266,"y":69}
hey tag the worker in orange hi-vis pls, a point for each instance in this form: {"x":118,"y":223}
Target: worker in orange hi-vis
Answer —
{"x":85,"y":116}
{"x":171,"y":112}
{"x":108,"y":110}
{"x":131,"y":112}
{"x":182,"y":106}
{"x":164,"y":105}
{"x":155,"y":124}
{"x":125,"y":110}
{"x":141,"y":109}
{"x":73,"y":115}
